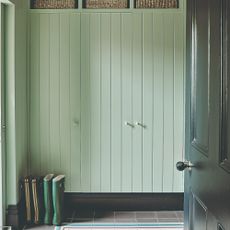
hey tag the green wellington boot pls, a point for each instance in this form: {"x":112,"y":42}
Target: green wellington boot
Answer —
{"x":48,"y":201}
{"x":58,"y":187}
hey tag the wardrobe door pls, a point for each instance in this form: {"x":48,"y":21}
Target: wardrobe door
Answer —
{"x":54,"y":106}
{"x":106,"y":102}
{"x":162,"y":96}
{"x":91,"y":102}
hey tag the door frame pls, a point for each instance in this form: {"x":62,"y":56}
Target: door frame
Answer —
{"x":2,"y":160}
{"x":7,"y":79}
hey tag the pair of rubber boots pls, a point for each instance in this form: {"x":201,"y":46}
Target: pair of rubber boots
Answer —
{"x":32,"y":194}
{"x":53,"y":199}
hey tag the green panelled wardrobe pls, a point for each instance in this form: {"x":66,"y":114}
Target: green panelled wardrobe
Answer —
{"x":106,"y":98}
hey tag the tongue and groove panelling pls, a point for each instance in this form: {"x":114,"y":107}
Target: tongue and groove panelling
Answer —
{"x":89,"y":74}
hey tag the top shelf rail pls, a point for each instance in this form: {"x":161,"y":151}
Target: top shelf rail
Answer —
{"x":104,"y":4}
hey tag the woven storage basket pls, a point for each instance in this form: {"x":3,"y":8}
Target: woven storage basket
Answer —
{"x":156,"y":3}
{"x":99,"y":4}
{"x":53,"y":4}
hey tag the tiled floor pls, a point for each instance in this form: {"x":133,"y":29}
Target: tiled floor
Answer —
{"x":121,"y":217}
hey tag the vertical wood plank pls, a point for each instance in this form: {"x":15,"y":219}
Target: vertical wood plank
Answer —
{"x":179,"y":36}
{"x":95,"y":89}
{"x":44,"y":92}
{"x":105,"y":103}
{"x":75,"y":102}
{"x":148,"y":64}
{"x":168,"y":161}
{"x":35,"y":158}
{"x":116,"y":95}
{"x":65,"y":96}
{"x":127,"y":102}
{"x":55,"y":93}
{"x":137,"y":102}
{"x":85,"y":104}
{"x":158,"y":144}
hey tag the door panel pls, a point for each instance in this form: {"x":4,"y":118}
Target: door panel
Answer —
{"x":220,"y":227}
{"x":200,"y":99}
{"x":206,"y":187}
{"x":225,"y":144}
{"x":199,"y":214}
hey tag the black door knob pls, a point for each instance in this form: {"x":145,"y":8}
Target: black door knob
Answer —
{"x":181,"y":166}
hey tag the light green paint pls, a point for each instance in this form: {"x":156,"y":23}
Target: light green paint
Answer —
{"x":148,"y":90}
{"x":34,"y":96}
{"x":158,"y":112}
{"x":105,"y":103}
{"x":137,"y":99}
{"x":115,"y":62}
{"x":21,"y":88}
{"x":16,"y":107}
{"x":54,"y":94}
{"x":10,"y":104}
{"x":127,"y":114}
{"x":90,"y":71}
{"x":85,"y":107}
{"x":2,"y":117}
{"x":95,"y":108}
{"x":75,"y":103}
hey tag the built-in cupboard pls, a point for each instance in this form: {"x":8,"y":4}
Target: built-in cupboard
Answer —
{"x":106,"y":98}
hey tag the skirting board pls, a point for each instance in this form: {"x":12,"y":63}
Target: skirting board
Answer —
{"x":125,"y":201}
{"x":15,"y":216}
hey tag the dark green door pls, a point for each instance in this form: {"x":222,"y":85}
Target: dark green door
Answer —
{"x":207,"y":184}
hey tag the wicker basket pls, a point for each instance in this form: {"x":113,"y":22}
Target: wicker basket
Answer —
{"x":156,"y":3}
{"x":54,"y":4}
{"x":99,"y":4}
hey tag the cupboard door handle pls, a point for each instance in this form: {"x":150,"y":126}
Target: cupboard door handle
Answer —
{"x":129,"y":124}
{"x":141,"y":125}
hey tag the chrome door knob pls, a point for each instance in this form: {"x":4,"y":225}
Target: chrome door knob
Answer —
{"x":181,"y":166}
{"x":129,"y":124}
{"x":140,"y":124}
